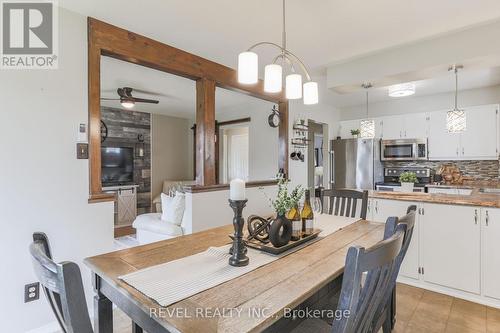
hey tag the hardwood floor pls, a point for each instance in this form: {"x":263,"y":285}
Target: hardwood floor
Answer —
{"x":418,"y":311}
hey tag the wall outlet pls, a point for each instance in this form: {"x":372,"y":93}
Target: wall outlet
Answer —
{"x":31,"y":292}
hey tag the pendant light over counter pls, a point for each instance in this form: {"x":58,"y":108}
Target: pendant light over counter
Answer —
{"x":283,"y":63}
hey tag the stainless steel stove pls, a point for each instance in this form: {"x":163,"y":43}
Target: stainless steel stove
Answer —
{"x":391,"y":179}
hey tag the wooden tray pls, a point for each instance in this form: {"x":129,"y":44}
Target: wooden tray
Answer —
{"x":255,"y":244}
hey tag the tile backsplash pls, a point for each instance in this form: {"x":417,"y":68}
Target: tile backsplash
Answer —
{"x":481,"y":170}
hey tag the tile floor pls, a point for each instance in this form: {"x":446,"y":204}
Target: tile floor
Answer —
{"x":418,"y":311}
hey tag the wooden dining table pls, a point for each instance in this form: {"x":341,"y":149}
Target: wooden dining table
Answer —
{"x":252,"y":302}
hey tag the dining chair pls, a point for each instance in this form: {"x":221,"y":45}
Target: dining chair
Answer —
{"x":359,"y":301}
{"x":63,"y":287}
{"x":345,"y":202}
{"x":387,"y":310}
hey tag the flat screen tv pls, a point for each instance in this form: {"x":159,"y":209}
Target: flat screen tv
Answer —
{"x":117,"y":166}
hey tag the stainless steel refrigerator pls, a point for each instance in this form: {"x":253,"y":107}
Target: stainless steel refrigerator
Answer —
{"x":355,"y":164}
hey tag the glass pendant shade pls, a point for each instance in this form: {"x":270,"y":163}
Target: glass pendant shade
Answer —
{"x":310,"y":93}
{"x":293,"y":86}
{"x":127,"y":103}
{"x":273,"y":78}
{"x":248,"y":68}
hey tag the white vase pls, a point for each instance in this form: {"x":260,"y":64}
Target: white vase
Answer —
{"x":407,"y":187}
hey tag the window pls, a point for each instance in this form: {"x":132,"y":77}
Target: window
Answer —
{"x":456,"y":121}
{"x":367,"y":128}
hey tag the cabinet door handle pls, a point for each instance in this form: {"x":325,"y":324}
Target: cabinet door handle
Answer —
{"x":475,"y":216}
{"x":463,"y":151}
{"x":405,"y":134}
{"x":457,"y":151}
{"x":376,"y":207}
{"x":487,"y":219}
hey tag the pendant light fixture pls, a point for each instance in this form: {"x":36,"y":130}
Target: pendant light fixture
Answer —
{"x":367,"y":126}
{"x":456,"y":118}
{"x":284,"y":62}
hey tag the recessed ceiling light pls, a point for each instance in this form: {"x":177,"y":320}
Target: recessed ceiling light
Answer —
{"x":402,"y":90}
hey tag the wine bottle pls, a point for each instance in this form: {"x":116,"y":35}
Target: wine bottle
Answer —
{"x":307,"y":216}
{"x":294,"y":216}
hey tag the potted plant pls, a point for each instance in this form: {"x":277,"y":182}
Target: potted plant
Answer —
{"x":355,"y":133}
{"x":281,"y":228}
{"x":408,"y":180}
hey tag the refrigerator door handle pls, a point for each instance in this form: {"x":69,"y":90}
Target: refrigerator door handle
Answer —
{"x":332,"y":168}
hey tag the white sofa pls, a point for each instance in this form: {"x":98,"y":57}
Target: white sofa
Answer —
{"x":150,"y":228}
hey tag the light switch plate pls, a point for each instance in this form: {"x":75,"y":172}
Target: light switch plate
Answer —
{"x":82,"y":151}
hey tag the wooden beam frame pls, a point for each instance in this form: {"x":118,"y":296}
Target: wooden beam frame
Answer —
{"x":107,"y":40}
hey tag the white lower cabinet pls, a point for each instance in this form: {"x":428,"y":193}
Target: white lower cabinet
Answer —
{"x":454,"y":248}
{"x":382,"y":209}
{"x":490,"y":225}
{"x":451,"y":246}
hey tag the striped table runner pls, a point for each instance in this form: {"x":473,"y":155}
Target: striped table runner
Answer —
{"x":176,"y":280}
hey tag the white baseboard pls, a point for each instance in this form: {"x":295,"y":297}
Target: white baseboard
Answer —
{"x":52,"y":327}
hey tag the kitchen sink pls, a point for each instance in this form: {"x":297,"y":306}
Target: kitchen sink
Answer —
{"x":490,"y":190}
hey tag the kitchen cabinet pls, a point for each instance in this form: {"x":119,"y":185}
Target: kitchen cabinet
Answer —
{"x":450,"y":238}
{"x":381,"y":210}
{"x":478,"y":141}
{"x":490,"y":228}
{"x":409,"y":126}
{"x":441,"y":144}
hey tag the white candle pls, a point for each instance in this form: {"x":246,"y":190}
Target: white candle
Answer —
{"x":237,"y":190}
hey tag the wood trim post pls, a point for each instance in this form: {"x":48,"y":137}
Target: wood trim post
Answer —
{"x":205,"y":132}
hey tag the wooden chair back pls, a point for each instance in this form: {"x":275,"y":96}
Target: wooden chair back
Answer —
{"x":361,"y":300}
{"x":63,"y":287}
{"x":344,"y":202}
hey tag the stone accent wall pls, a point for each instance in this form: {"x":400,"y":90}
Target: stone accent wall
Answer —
{"x":123,"y":128}
{"x":481,"y":170}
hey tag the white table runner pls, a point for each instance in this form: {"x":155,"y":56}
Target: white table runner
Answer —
{"x":176,"y":280}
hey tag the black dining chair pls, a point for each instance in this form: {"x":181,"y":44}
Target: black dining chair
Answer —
{"x":345,"y":202}
{"x":359,"y":301}
{"x":63,"y":287}
{"x":387,"y":310}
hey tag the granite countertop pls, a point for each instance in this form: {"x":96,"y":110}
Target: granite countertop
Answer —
{"x":476,"y":198}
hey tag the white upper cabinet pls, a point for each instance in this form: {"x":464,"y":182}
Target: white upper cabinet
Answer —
{"x":416,"y":125}
{"x":392,"y":128}
{"x":410,"y":126}
{"x":442,"y":145}
{"x":479,"y":141}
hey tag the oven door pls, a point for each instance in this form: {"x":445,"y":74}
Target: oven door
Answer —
{"x":393,"y":150}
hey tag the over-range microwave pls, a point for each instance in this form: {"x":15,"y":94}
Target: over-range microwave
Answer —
{"x":403,"y":150}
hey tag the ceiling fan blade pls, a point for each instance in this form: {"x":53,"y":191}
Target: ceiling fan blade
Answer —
{"x":144,"y":100}
{"x":151,"y":93}
{"x":109,"y":99}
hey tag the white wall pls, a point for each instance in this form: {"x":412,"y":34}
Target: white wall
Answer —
{"x":428,"y":103}
{"x":202,"y":216}
{"x":44,"y":186}
{"x":263,"y":139}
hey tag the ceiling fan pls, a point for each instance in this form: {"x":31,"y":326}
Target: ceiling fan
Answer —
{"x":127,"y":100}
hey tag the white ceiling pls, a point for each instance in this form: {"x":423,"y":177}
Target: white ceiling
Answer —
{"x":176,"y":95}
{"x":319,"y":31}
{"x":444,"y":83}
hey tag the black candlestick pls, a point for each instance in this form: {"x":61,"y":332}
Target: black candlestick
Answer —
{"x":238,"y":250}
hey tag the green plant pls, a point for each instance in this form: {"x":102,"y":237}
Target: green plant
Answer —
{"x":285,"y":200}
{"x":408,"y":177}
{"x":355,"y":132}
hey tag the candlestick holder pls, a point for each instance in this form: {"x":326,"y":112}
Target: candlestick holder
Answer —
{"x":238,"y":250}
